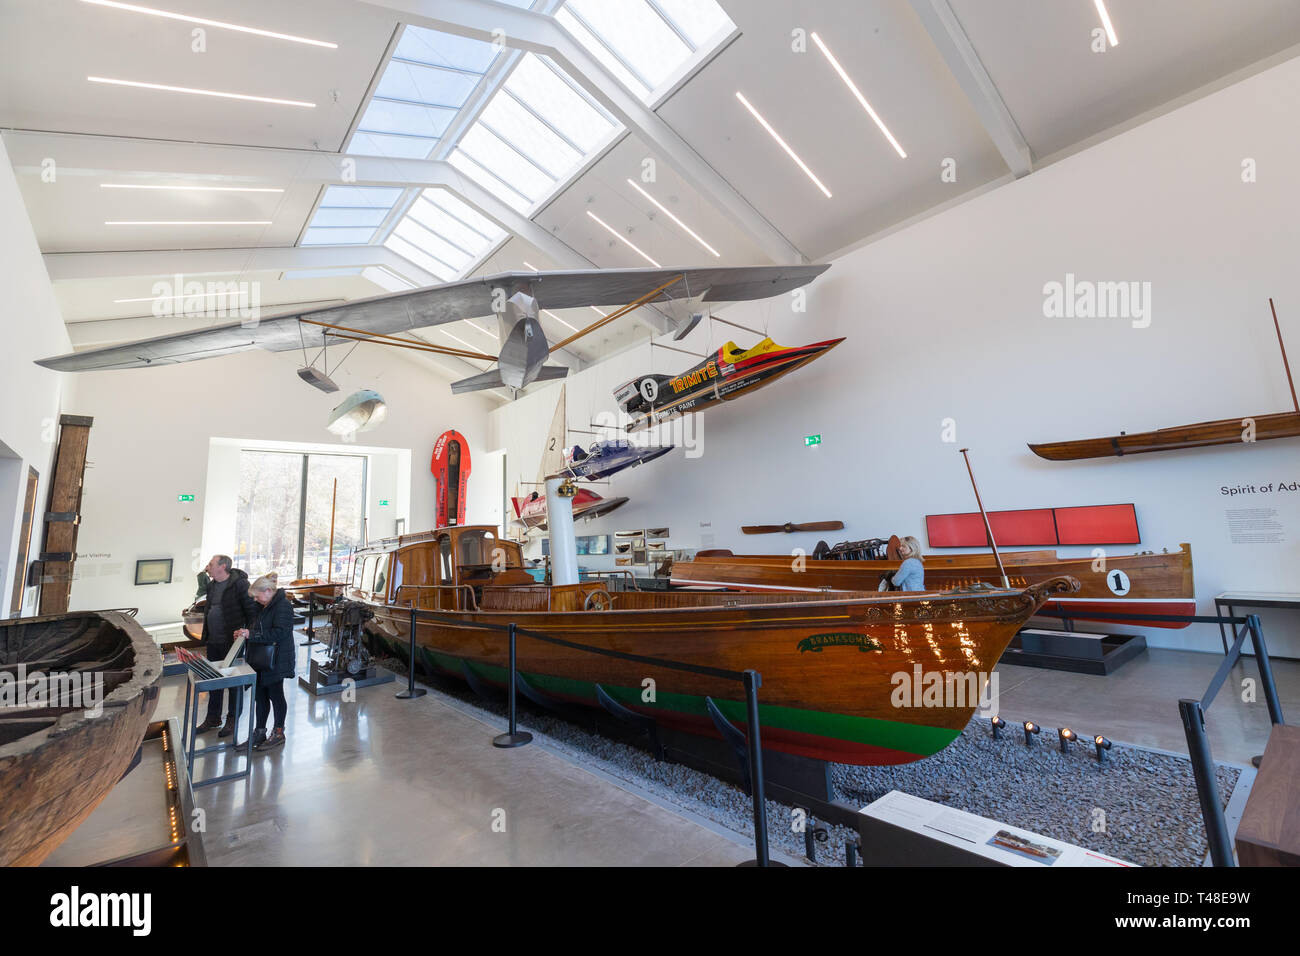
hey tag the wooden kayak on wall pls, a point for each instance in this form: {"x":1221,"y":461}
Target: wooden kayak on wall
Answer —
{"x":57,"y":759}
{"x":1228,"y":431}
{"x":830,"y":664}
{"x":1145,"y":583}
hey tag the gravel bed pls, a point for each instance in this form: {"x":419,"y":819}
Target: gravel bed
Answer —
{"x":1141,"y":806}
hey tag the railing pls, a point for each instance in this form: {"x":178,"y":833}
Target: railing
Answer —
{"x":609,"y":574}
{"x":471,"y":605}
{"x":750,"y":680}
{"x":1193,"y":711}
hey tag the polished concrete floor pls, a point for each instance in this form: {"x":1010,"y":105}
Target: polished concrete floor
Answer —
{"x":386,"y":781}
{"x":383,"y":781}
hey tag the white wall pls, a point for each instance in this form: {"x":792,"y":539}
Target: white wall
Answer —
{"x":151,"y":439}
{"x":945,"y":320}
{"x":31,"y":327}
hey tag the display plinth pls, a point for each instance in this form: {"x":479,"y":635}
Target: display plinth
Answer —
{"x":1075,"y":651}
{"x":324,"y":681}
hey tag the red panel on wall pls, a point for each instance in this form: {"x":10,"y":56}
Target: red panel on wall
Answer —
{"x":1098,"y":524}
{"x":1037,"y":527}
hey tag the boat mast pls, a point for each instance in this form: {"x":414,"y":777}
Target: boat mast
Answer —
{"x":987,"y":527}
{"x":1285,"y":363}
{"x":329,"y":566}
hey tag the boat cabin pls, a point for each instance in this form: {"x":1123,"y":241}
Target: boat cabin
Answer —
{"x":465,"y":568}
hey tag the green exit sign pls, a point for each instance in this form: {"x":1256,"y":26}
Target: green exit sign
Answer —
{"x":383,"y":502}
{"x":812,"y":440}
{"x":184,"y":497}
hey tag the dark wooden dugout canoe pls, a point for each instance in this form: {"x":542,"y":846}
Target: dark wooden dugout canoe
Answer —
{"x":1227,"y":431}
{"x":57,"y":762}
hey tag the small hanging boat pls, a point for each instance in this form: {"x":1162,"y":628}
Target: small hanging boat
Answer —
{"x":531,"y":511}
{"x":1225,"y":431}
{"x":831,"y":664}
{"x":727,"y":374}
{"x":1146,"y":583}
{"x":59,"y":757}
{"x":601,"y":459}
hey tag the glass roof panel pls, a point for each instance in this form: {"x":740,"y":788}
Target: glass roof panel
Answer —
{"x":383,"y":144}
{"x":337,"y":237}
{"x":385,"y":116}
{"x":377,"y":196}
{"x":439,"y":270}
{"x":349,"y":216}
{"x":470,"y":217}
{"x":524,"y":131}
{"x":636,"y":33}
{"x":426,"y":84}
{"x":433,"y":244}
{"x":445,"y":49}
{"x":447,"y":226}
{"x":501,"y":190}
{"x":700,"y":20}
{"x":503,"y":162}
{"x":548,"y":95}
{"x":596,"y":47}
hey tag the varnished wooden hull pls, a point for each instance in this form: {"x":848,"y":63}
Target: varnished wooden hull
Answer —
{"x":1228,"y":431}
{"x":57,"y":764}
{"x":829,"y":665}
{"x":1148,"y":583}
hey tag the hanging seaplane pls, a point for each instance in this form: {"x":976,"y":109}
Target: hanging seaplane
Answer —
{"x":515,"y":298}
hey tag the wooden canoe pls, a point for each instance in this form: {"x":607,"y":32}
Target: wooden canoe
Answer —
{"x":1228,"y":431}
{"x":1145,"y":583}
{"x":58,"y":762}
{"x":829,"y":663}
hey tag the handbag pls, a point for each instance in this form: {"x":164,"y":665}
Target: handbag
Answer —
{"x":260,"y":657}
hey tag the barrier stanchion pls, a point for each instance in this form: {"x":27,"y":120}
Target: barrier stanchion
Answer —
{"x":411,"y":691}
{"x":514,"y":737}
{"x":311,"y":622}
{"x":1265,"y":669}
{"x":752,"y":683}
{"x":1207,"y":787}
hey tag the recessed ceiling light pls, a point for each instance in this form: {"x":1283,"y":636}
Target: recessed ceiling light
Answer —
{"x":213,"y":189}
{"x":186,"y":89}
{"x":133,"y":8}
{"x":187,"y":222}
{"x":529,"y":265}
{"x":483,"y":330}
{"x":660,"y":207}
{"x":461,"y":341}
{"x":197,"y":295}
{"x":560,"y":320}
{"x":856,"y":92}
{"x":617,"y":235}
{"x":1105,"y":22}
{"x":598,"y":311}
{"x":782,"y":143}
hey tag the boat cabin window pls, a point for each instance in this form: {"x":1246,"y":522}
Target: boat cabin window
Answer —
{"x":482,"y":549}
{"x":444,"y":551}
{"x":413,"y":566}
{"x":371,"y":576}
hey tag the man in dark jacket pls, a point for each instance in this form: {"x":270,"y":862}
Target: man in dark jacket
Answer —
{"x":229,"y":609}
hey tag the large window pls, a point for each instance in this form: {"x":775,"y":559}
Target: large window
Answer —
{"x":283,"y":523}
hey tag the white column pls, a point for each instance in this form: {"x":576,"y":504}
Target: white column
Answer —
{"x":564,"y":546}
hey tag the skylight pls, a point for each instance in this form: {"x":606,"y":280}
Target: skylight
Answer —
{"x":646,"y":44}
{"x":349,"y":215}
{"x":442,"y":235}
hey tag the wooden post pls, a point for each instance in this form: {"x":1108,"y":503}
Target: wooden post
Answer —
{"x":63,"y":513}
{"x":987,"y":527}
{"x":329,"y":565}
{"x":1285,"y":364}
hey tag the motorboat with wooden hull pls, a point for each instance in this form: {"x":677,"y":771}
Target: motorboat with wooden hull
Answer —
{"x":1146,"y":583}
{"x":829,"y":663}
{"x":1227,"y":431}
{"x":531,"y":511}
{"x":58,"y":759}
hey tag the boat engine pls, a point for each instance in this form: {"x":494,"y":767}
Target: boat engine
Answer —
{"x":348,"y":655}
{"x":869,"y":549}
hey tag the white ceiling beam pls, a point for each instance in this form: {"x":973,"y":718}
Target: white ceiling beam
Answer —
{"x":959,"y":53}
{"x":63,"y":266}
{"x":540,"y":33}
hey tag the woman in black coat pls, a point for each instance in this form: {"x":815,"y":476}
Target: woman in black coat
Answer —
{"x":273,"y":628}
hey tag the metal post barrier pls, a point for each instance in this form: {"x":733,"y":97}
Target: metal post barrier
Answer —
{"x":752,"y":682}
{"x":311,"y":622}
{"x":1207,"y":786}
{"x":514,"y":737}
{"x":411,"y":691}
{"x":1265,"y":669}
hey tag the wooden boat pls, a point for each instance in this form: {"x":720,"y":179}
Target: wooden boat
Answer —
{"x":829,"y":663}
{"x":58,"y":762}
{"x":726,"y":374}
{"x":1145,"y":583}
{"x":1225,"y":431}
{"x":299,"y":593}
{"x":1228,"y":431}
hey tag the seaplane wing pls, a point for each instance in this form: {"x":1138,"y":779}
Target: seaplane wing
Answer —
{"x":436,"y":305}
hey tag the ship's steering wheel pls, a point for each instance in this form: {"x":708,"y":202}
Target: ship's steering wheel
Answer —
{"x":598,"y":601}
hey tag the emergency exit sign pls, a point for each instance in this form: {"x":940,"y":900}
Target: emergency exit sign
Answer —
{"x":184,"y":497}
{"x":812,"y":440}
{"x":383,"y":502}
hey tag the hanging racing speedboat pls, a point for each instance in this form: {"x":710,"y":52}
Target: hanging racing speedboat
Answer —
{"x":450,"y":469}
{"x":727,"y":374}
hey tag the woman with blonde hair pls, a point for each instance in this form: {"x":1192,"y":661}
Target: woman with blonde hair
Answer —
{"x":272,"y":654}
{"x":910,"y":575}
